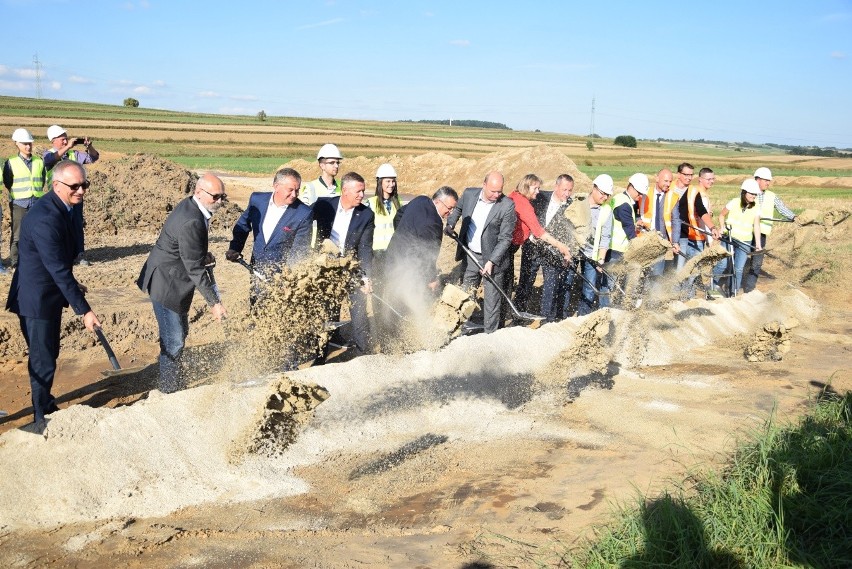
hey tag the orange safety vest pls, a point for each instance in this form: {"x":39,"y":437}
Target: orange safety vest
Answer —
{"x":691,"y":195}
{"x":649,"y":205}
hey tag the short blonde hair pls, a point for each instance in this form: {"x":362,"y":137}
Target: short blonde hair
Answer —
{"x":523,"y":186}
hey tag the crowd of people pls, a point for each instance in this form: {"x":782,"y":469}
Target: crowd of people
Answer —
{"x":396,"y":244}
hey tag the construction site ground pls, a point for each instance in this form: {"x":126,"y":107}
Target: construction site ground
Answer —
{"x":506,"y":448}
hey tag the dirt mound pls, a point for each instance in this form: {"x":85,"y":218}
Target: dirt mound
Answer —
{"x":588,"y":353}
{"x":423,"y":174}
{"x":646,"y":249}
{"x":772,"y":342}
{"x":138,"y":193}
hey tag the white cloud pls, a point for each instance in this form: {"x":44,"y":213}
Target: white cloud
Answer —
{"x":55,"y":85}
{"x":141,"y":90}
{"x":80,"y":80}
{"x":16,"y":85}
{"x":320,"y":24}
{"x":159,"y":83}
{"x":838,"y":55}
{"x":460,"y":43}
{"x":25,"y":73}
{"x":243,"y":98}
{"x":209,"y":94}
{"x":3,"y":70}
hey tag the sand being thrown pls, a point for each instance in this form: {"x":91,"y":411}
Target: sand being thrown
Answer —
{"x":196,"y":446}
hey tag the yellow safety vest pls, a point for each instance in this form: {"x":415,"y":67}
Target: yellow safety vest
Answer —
{"x":384,"y":223}
{"x":619,"y":237}
{"x":28,"y":182}
{"x":741,"y":220}
{"x":767,"y":209}
{"x":71,"y":155}
{"x":604,"y":216}
{"x":693,"y":194}
{"x":311,"y":191}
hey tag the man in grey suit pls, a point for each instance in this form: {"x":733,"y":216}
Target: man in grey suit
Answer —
{"x":178,"y":265}
{"x":488,"y":220}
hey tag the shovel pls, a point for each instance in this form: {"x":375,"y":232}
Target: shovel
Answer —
{"x":609,"y":276}
{"x":252,"y":270}
{"x":751,"y":250}
{"x":388,"y":305}
{"x":522,"y":315}
{"x":776,"y":219}
{"x":110,"y":354}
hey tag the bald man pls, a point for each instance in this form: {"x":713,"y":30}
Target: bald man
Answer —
{"x":177,"y":266}
{"x":656,"y":214}
{"x":488,"y":220}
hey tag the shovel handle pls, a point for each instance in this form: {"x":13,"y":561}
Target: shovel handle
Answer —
{"x":110,"y":354}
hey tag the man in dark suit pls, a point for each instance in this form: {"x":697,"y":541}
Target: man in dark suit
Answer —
{"x":412,"y":254}
{"x":177,"y":265}
{"x":488,"y":220}
{"x":44,"y":283}
{"x":279,"y":223}
{"x":349,"y":224}
{"x":558,"y":278}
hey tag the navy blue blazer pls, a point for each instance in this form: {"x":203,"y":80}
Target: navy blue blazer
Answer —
{"x":359,"y":237}
{"x":44,"y":283}
{"x":291,"y":238}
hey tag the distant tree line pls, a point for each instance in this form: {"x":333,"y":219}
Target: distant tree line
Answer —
{"x":828,"y":151}
{"x":463,"y":122}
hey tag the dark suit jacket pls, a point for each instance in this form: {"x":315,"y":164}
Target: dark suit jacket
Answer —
{"x":175,"y":266}
{"x":416,"y":242}
{"x":290,"y":240}
{"x":44,"y":283}
{"x":558,"y":227}
{"x":499,"y":225}
{"x":359,"y":237}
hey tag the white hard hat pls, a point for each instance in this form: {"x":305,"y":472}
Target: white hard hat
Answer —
{"x":604,"y":183}
{"x":22,"y":135}
{"x":54,"y":131}
{"x":639,"y":181}
{"x":750,"y":185}
{"x":329,"y":151}
{"x":763,"y":173}
{"x":385,"y":171}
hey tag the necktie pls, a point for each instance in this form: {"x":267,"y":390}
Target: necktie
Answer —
{"x":658,"y":212}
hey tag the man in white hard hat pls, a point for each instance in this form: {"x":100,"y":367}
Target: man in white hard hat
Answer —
{"x":326,"y":186}
{"x":624,"y":214}
{"x":767,"y":202}
{"x":63,"y":149}
{"x":595,"y":250}
{"x":24,"y":177}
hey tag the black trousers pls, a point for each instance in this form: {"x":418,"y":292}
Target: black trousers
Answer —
{"x":42,"y":337}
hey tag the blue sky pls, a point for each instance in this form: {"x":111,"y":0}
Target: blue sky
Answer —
{"x":739,"y":71}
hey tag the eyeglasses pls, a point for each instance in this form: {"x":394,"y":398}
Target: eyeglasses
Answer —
{"x":76,"y":187}
{"x":332,"y":162}
{"x":688,"y":174}
{"x":216,"y":197}
{"x":449,"y":208}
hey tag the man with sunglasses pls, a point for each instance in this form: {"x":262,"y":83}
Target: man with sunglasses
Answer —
{"x":44,"y":283}
{"x":178,"y":264}
{"x":327,"y":185}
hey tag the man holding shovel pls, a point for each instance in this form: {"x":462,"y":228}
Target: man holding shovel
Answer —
{"x":44,"y":283}
{"x":177,"y":266}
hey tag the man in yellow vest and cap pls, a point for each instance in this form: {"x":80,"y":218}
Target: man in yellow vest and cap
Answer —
{"x":23,"y":176}
{"x":327,"y":185}
{"x":767,"y":202}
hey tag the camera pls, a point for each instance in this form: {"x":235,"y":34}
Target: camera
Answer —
{"x":79,"y":140}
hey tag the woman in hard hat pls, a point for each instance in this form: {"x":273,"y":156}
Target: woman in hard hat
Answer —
{"x":743,"y":223}
{"x":385,"y":205}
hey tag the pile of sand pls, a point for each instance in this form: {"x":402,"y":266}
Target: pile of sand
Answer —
{"x":772,"y":342}
{"x":138,"y":192}
{"x":704,"y":260}
{"x":423,"y":174}
{"x":646,"y":249}
{"x":589,"y":352}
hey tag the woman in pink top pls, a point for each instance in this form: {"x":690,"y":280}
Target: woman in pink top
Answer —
{"x":528,"y":227}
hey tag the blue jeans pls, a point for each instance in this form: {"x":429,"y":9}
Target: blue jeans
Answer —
{"x":588,"y":297}
{"x":174,"y":328}
{"x":42,"y":337}
{"x":751,"y":273}
{"x":689,"y":248}
{"x":556,"y":291}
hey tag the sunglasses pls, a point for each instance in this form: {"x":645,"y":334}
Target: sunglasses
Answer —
{"x":216,"y":197}
{"x":76,"y":187}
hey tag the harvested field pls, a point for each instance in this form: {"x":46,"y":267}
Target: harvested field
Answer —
{"x":424,"y":459}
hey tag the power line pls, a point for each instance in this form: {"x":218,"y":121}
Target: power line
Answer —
{"x":37,"y":64}
{"x":592,"y":124}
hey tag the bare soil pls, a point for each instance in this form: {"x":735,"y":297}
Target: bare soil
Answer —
{"x":504,"y":449}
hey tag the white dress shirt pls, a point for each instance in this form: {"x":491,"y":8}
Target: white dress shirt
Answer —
{"x":272,"y":217}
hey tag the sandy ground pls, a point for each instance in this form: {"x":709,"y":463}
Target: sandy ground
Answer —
{"x":501,"y":448}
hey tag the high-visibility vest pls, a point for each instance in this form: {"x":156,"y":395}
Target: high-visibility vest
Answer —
{"x":741,"y":220}
{"x":384,"y":223}
{"x":767,"y":209}
{"x":693,"y":194}
{"x":619,"y":237}
{"x":28,"y":182}
{"x":311,"y":191}
{"x":604,"y":216}
{"x":649,"y":209}
{"x":70,"y":155}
